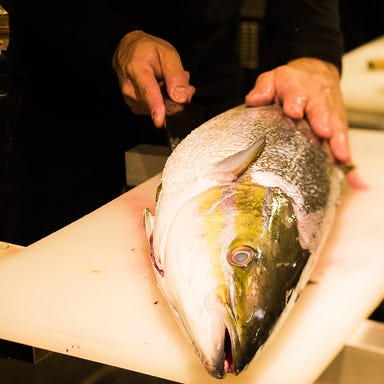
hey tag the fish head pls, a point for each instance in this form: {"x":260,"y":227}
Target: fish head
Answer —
{"x":232,"y":260}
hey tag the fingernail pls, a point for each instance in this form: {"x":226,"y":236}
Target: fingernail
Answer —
{"x":255,"y":95}
{"x":179,"y":94}
{"x":356,"y":181}
{"x":156,"y":119}
{"x":297,"y":110}
{"x":252,"y":99}
{"x":322,"y":130}
{"x":343,"y":155}
{"x":343,"y":152}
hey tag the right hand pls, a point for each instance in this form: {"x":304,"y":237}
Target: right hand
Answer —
{"x":310,"y":87}
{"x":141,"y":61}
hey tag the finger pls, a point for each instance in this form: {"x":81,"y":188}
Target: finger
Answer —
{"x":263,"y":92}
{"x":289,"y":90}
{"x":318,"y":115}
{"x":148,"y":94}
{"x":294,"y":104}
{"x":127,"y":89}
{"x":181,"y":93}
{"x":177,"y":80}
{"x":154,"y":99}
{"x":328,"y":121}
{"x":136,"y":108}
{"x":340,"y":145}
{"x":340,"y":136}
{"x":130,"y":97}
{"x":355,"y":181}
{"x":135,"y":96}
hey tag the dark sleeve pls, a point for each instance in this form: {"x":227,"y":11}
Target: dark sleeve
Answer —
{"x":65,"y":22}
{"x":301,"y":28}
{"x":48,"y":37}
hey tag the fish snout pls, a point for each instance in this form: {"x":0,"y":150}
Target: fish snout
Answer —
{"x":236,"y":338}
{"x":241,"y":330}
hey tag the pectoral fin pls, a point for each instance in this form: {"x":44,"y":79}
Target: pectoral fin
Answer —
{"x":234,"y":166}
{"x":148,"y":219}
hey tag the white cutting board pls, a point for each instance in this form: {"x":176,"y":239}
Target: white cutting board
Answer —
{"x":363,"y":88}
{"x":88,"y":290}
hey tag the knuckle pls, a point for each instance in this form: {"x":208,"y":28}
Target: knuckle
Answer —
{"x":126,"y":88}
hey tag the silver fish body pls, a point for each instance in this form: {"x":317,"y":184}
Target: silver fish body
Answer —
{"x":245,"y":205}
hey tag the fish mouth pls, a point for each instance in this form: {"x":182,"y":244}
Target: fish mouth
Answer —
{"x":236,"y":345}
{"x":229,"y":364}
{"x":224,"y":362}
{"x":234,"y":341}
{"x":231,"y":357}
{"x":236,"y":351}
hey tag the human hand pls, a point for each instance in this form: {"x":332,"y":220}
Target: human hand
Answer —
{"x":309,"y":87}
{"x":141,"y":61}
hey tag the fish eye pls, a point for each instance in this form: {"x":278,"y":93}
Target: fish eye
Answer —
{"x":241,"y":256}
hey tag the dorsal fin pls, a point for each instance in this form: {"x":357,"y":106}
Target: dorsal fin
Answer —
{"x":234,"y":166}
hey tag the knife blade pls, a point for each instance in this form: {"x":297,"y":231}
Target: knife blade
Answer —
{"x":180,"y":119}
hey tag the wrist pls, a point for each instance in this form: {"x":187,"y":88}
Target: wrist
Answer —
{"x":313,"y":64}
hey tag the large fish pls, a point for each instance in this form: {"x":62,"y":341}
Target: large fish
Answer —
{"x":245,"y":205}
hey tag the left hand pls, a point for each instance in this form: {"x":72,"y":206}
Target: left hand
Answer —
{"x":309,"y":87}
